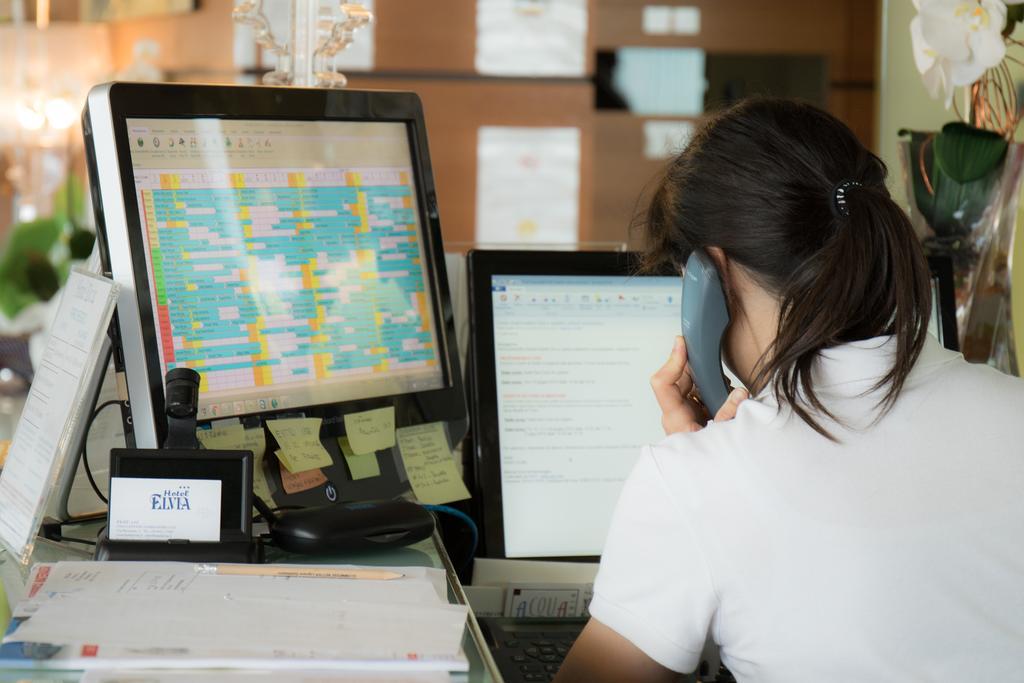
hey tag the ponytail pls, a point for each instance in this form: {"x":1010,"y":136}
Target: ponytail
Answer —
{"x":760,"y":181}
{"x":870,"y":279}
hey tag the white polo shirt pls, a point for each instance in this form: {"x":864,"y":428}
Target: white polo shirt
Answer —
{"x":896,"y":554}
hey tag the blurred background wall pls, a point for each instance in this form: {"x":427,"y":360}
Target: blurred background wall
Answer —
{"x":607,"y":89}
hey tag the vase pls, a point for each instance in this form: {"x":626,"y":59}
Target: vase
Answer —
{"x":978,"y":237}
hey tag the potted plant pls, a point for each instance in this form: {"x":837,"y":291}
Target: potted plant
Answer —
{"x":964,"y":181}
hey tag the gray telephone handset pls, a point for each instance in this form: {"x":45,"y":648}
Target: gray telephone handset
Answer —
{"x":705,"y":317}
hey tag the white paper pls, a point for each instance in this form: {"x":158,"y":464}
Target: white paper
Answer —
{"x":528,"y":185}
{"x":664,"y":139}
{"x":54,"y":402}
{"x":657,"y":20}
{"x":663,"y":20}
{"x":531,"y":37}
{"x":686,"y":21}
{"x":142,"y":676}
{"x":111,"y":580}
{"x":143,"y":509}
{"x":144,"y":614}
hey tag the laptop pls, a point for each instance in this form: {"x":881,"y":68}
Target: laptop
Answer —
{"x":562,"y":346}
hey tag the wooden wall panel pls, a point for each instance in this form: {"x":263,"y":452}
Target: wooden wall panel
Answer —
{"x":200,"y":41}
{"x":455,"y":108}
{"x":439,"y":38}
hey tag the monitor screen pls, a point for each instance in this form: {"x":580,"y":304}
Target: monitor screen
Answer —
{"x":573,"y":356}
{"x":285,"y":260}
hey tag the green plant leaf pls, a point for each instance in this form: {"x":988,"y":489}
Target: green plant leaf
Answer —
{"x":43,"y":280}
{"x":28,"y":242}
{"x":966,"y":153}
{"x":69,"y":200}
{"x":1014,"y":13}
{"x":80,"y":244}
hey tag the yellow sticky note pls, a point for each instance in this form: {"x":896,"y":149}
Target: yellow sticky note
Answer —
{"x":360,"y":465}
{"x":234,"y":437}
{"x":299,"y":442}
{"x":371,"y":430}
{"x":429,"y":464}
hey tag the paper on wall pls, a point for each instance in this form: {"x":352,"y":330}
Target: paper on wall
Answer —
{"x":531,"y":37}
{"x":664,"y":139}
{"x":528,"y":185}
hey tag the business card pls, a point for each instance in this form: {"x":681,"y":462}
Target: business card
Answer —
{"x":164,"y":509}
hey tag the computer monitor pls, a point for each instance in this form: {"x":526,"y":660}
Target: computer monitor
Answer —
{"x":563,"y":345}
{"x":283,"y":242}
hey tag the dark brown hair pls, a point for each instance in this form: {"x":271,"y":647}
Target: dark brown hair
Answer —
{"x":757,"y":181}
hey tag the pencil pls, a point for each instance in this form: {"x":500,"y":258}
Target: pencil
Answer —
{"x":297,"y":572}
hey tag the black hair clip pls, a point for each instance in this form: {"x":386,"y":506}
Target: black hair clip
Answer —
{"x":840,"y":206}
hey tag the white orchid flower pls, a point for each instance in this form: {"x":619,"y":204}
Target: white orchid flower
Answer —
{"x":956,"y":41}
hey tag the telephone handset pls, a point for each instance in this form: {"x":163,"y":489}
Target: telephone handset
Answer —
{"x":705,"y":318}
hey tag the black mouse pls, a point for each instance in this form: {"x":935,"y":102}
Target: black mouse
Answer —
{"x":351,"y":527}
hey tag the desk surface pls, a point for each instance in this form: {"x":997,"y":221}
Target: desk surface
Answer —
{"x":428,"y":553}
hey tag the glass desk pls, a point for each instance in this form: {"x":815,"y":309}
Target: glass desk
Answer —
{"x":427,"y":553}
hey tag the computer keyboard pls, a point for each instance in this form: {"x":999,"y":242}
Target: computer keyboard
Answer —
{"x":530,"y":650}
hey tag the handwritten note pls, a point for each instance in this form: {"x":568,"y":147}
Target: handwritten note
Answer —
{"x":302,"y":481}
{"x":360,"y":465}
{"x":429,"y":464}
{"x":371,"y":430}
{"x":234,"y":437}
{"x":299,"y":441}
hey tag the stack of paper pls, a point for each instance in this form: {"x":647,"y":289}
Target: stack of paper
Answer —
{"x":174,"y":615}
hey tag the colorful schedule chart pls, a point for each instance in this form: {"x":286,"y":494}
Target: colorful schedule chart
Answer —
{"x":271,"y":276}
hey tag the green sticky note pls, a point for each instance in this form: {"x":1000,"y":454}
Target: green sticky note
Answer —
{"x":234,"y":437}
{"x":430,"y":465}
{"x":360,"y":465}
{"x":371,"y":430}
{"x":5,"y":608}
{"x":299,"y":442}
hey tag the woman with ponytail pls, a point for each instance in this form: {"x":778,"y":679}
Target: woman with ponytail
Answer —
{"x":861,"y":515}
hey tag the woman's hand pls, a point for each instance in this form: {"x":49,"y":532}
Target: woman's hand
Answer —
{"x":681,"y":411}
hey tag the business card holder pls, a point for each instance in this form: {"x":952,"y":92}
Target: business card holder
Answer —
{"x":234,"y":469}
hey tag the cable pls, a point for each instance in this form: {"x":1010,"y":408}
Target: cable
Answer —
{"x":85,"y":453}
{"x":459,"y":514}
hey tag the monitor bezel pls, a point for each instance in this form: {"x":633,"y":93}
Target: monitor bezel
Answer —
{"x":114,"y":104}
{"x":481,"y":266}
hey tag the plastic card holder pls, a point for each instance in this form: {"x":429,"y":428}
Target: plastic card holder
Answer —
{"x":57,"y":407}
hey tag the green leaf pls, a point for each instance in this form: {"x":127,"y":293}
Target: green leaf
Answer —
{"x":69,"y":200}
{"x":43,"y":280}
{"x":966,"y":153}
{"x":28,"y":242}
{"x":1014,"y":13}
{"x":80,"y":244}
